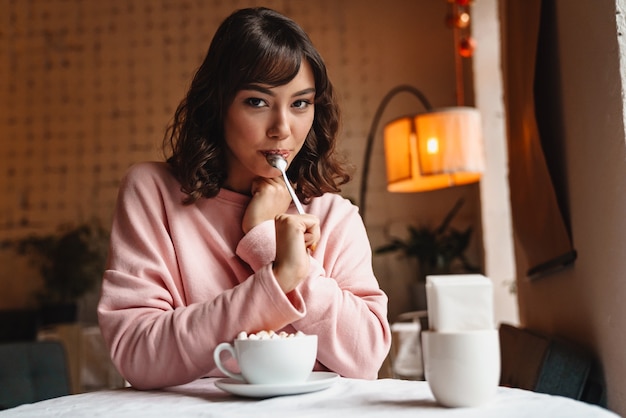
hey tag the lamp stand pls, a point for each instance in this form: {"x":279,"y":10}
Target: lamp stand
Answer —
{"x":372,"y":134}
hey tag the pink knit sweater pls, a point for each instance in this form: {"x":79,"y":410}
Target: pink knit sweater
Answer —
{"x":182,"y":279}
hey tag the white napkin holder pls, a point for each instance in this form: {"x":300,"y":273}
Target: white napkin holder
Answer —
{"x":459,"y":302}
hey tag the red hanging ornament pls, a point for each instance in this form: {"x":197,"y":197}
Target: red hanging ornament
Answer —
{"x":466,"y":46}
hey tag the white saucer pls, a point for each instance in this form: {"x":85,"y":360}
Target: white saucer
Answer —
{"x":316,"y":381}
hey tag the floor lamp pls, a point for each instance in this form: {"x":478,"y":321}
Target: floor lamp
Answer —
{"x":431,"y":150}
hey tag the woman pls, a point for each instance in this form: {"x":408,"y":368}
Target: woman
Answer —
{"x":209,"y":243}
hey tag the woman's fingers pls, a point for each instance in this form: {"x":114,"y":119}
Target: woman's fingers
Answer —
{"x":307,"y":225}
{"x":312,"y":235}
{"x":294,"y":234}
{"x":270,"y":197}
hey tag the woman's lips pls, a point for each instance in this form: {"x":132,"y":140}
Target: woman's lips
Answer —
{"x":282,"y":153}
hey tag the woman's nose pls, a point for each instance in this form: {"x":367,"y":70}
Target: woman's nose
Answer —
{"x":279,"y":127}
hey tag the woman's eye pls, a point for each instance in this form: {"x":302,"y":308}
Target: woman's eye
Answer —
{"x":301,"y":104}
{"x":256,"y":102}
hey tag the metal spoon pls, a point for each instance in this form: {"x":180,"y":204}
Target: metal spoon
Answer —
{"x":279,"y":162}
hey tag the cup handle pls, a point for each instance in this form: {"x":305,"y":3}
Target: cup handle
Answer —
{"x":218,"y":361}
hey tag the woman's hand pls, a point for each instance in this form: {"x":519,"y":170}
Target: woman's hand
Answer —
{"x":270,"y":198}
{"x":295,"y":234}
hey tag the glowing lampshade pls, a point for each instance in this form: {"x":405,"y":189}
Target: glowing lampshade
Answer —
{"x":434,"y":150}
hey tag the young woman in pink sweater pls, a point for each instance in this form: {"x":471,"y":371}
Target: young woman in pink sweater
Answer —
{"x":209,"y":244}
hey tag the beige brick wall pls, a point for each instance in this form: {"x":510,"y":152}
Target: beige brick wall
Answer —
{"x":88,"y":86}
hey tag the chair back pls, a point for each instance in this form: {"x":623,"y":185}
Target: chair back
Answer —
{"x":31,"y":372}
{"x":533,"y":361}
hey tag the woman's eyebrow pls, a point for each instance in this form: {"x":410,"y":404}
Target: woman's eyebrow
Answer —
{"x":305,"y":91}
{"x":266,"y":90}
{"x":260,"y":89}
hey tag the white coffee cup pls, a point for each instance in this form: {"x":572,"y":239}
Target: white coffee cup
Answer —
{"x":462,"y":368}
{"x":270,"y":361}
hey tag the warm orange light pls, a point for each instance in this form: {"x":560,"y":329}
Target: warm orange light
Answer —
{"x":434,"y":150}
{"x":432,"y":145}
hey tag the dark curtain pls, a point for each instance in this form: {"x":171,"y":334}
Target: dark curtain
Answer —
{"x":538,"y":221}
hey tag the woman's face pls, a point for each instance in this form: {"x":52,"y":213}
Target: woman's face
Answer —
{"x":265,"y":120}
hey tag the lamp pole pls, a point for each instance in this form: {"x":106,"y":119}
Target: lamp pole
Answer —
{"x":403,"y":88}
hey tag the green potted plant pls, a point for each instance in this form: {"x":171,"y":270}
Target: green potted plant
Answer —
{"x":70,"y":261}
{"x":438,"y":250}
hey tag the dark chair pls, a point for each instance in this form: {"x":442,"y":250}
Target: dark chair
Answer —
{"x":533,"y":361}
{"x":31,"y":372}
{"x":18,"y":325}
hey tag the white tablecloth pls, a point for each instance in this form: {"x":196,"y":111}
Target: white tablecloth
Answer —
{"x":345,"y":398}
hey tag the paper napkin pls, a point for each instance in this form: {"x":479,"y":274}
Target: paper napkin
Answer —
{"x":459,"y":302}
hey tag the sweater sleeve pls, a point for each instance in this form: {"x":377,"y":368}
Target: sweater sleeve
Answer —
{"x":258,"y":247}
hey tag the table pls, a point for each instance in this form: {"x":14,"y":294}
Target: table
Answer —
{"x":345,"y":398}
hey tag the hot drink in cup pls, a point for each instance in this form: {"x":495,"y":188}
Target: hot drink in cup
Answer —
{"x":270,"y":358}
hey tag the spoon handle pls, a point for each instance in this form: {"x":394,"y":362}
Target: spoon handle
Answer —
{"x":295,"y":199}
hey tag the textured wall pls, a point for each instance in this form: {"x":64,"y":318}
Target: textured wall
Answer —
{"x":88,"y":86}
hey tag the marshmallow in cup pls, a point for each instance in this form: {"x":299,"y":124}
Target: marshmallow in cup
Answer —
{"x":268,"y":335}
{"x":267,"y":357}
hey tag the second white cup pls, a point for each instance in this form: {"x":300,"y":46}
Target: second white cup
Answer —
{"x":462,"y":368}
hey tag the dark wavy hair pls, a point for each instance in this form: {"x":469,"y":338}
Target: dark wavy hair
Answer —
{"x":255,"y":45}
